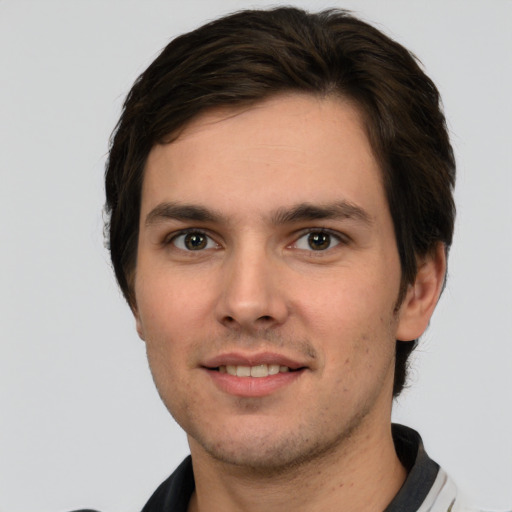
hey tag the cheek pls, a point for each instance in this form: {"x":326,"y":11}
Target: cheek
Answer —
{"x":165,"y":322}
{"x":173,"y":312}
{"x":169,"y":306}
{"x":351,"y":318}
{"x":349,"y":298}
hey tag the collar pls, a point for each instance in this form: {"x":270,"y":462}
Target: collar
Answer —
{"x":422,"y":470}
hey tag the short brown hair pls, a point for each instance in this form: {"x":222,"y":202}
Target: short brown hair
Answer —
{"x":251,"y":55}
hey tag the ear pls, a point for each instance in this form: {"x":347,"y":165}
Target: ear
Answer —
{"x":138,"y":323}
{"x":140,"y":330}
{"x":422,"y":295}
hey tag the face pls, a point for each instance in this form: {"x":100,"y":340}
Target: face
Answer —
{"x":267,"y":279}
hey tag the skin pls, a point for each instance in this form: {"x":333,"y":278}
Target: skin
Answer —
{"x":323,"y":438}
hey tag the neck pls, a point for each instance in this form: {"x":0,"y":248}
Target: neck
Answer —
{"x":363,"y":474}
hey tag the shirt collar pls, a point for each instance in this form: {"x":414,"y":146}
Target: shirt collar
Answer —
{"x":422,"y":470}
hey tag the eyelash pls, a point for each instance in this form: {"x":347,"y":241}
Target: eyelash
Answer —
{"x":171,"y":239}
{"x":338,"y":237}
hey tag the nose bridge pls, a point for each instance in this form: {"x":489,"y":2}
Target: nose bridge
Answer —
{"x":251,"y":295}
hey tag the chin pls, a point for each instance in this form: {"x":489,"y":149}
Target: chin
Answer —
{"x":267,"y":452}
{"x":268,"y":456}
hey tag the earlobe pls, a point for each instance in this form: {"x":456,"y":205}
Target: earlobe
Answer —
{"x":422,"y":295}
{"x":133,"y":306}
{"x":140,"y":331}
{"x":138,"y":324}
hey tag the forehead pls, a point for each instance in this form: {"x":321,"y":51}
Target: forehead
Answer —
{"x":282,"y":151}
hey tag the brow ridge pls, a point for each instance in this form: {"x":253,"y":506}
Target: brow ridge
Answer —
{"x":301,"y":212}
{"x":309,"y":211}
{"x":183,"y":212}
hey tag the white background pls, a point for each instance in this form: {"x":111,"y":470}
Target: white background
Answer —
{"x":80,"y":422}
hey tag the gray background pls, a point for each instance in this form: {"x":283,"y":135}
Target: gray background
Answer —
{"x":80,"y":422}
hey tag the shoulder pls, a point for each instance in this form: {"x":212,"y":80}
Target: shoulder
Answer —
{"x":445,"y":497}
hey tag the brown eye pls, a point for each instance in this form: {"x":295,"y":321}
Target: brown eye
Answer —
{"x":319,"y":241}
{"x":193,"y":241}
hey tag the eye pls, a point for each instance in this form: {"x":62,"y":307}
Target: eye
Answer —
{"x":317,"y":241}
{"x":193,"y":241}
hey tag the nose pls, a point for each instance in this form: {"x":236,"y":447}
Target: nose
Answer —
{"x":252,"y":292}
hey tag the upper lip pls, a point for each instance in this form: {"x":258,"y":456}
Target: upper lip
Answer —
{"x":238,"y":359}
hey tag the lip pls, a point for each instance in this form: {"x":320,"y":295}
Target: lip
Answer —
{"x":238,"y":359}
{"x":253,"y":387}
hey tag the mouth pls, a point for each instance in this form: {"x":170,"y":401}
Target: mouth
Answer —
{"x":253,"y":375}
{"x":257,"y":371}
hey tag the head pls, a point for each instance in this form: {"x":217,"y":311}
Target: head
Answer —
{"x":251,"y":56}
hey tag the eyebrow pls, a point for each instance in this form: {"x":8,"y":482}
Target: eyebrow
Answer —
{"x":182,"y":212}
{"x":308,"y":212}
{"x":297,"y":213}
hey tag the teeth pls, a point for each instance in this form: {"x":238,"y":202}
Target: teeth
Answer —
{"x":243,"y":371}
{"x":261,"y":370}
{"x":273,"y":369}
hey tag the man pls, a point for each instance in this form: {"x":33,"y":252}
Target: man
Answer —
{"x":279,"y":191}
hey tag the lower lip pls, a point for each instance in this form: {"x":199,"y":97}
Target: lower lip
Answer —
{"x":251,"y":387}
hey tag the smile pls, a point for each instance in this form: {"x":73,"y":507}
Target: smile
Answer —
{"x":260,"y":370}
{"x":252,"y":376}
